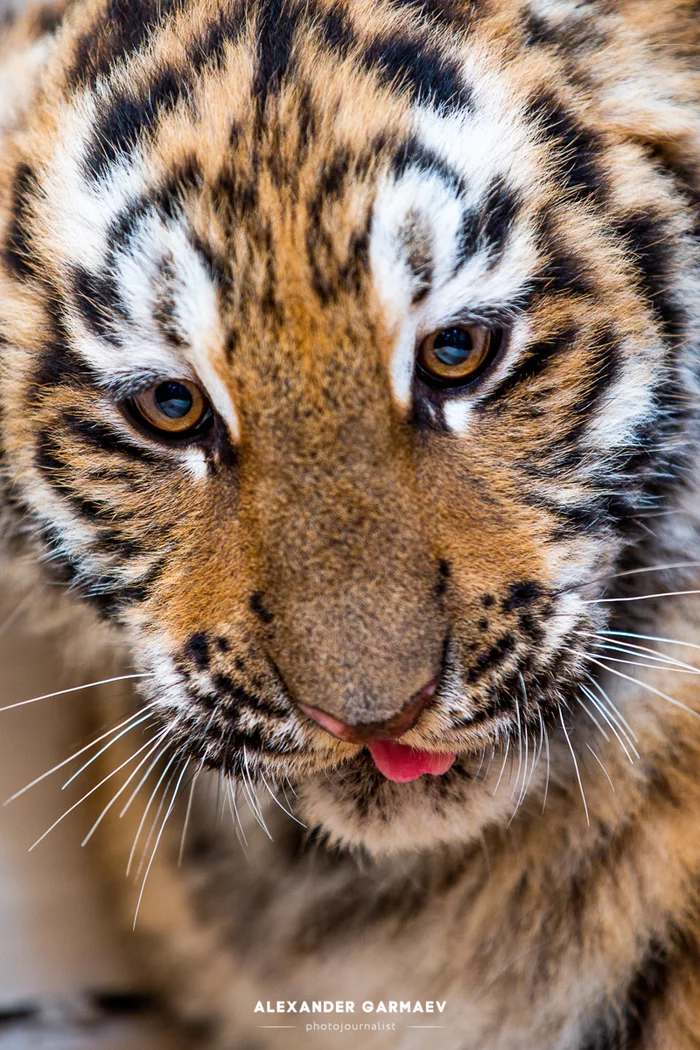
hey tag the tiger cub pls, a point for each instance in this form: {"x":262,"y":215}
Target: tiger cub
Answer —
{"x":349,"y":373}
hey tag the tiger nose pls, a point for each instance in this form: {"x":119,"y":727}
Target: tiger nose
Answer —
{"x":366,"y":732}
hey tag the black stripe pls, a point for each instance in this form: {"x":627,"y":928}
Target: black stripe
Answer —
{"x":59,"y":366}
{"x":646,"y":238}
{"x":18,"y":251}
{"x":101,"y":436}
{"x":602,"y":370}
{"x":500,"y":210}
{"x":99,"y":303}
{"x":575,"y":519}
{"x":623,"y":1027}
{"x":452,"y":14}
{"x":121,"y":31}
{"x":129,"y":116}
{"x":164,"y":198}
{"x":413,"y":154}
{"x":277,"y":25}
{"x":419,"y":67}
{"x":573,"y":34}
{"x":577,"y":148}
{"x":564,"y":271}
{"x":531,"y":366}
{"x":487,"y":227}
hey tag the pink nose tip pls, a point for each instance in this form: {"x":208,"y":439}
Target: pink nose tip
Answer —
{"x":367,"y":732}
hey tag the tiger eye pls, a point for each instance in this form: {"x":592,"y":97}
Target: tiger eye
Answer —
{"x":455,"y":356}
{"x":175,"y":406}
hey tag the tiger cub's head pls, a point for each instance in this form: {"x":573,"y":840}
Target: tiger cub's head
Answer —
{"x":343,"y":345}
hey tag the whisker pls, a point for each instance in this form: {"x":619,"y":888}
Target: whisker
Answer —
{"x":637,"y":572}
{"x":231,"y":797}
{"x":251,"y":796}
{"x":599,"y":706}
{"x":183,"y":837}
{"x":14,"y":616}
{"x":160,"y":780}
{"x":635,"y":650}
{"x":74,"y":689}
{"x":549,"y":771}
{"x":277,"y":801}
{"x":614,"y":711}
{"x":638,"y":597}
{"x":601,"y":765}
{"x":593,"y":719}
{"x":155,"y":742}
{"x":124,"y":810}
{"x":578,"y":774}
{"x":154,"y":823}
{"x":87,"y":795}
{"x":650,"y":688}
{"x":157,"y":843}
{"x":505,"y":759}
{"x":520,"y":749}
{"x":71,"y":758}
{"x":651,"y":638}
{"x":74,"y":776}
{"x":638,"y":663}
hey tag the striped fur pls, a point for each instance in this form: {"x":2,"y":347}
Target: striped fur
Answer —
{"x":279,"y":200}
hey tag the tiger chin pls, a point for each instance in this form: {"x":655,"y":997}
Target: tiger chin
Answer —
{"x":350,"y":378}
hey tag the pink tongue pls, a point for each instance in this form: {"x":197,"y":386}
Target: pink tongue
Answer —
{"x":402,"y":763}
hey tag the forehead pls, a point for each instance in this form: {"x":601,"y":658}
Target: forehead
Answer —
{"x":289,"y":140}
{"x":320,"y":177}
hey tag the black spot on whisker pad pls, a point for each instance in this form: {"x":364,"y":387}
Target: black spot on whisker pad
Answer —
{"x":197,"y":649}
{"x":257,"y":606}
{"x":521,"y":595}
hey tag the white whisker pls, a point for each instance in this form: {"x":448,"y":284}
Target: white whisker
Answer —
{"x":160,"y":780}
{"x":188,"y":812}
{"x":157,"y":843}
{"x":602,"y":710}
{"x":71,"y":758}
{"x":231,"y":797}
{"x":86,"y":796}
{"x":549,"y":771}
{"x":650,"y":688}
{"x":277,"y":801}
{"x":73,"y":689}
{"x":638,"y":663}
{"x":578,"y":774}
{"x":154,"y":823}
{"x":251,"y":796}
{"x":601,"y":765}
{"x":631,"y":649}
{"x":505,"y":759}
{"x":593,"y":719}
{"x":74,"y":776}
{"x":154,"y":742}
{"x":638,"y":597}
{"x":13,"y":617}
{"x":616,"y":714}
{"x":651,"y":638}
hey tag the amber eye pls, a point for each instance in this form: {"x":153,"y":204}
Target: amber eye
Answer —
{"x":455,"y":356}
{"x":175,"y":407}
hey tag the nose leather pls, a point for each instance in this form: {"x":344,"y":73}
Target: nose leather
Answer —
{"x":367,"y":732}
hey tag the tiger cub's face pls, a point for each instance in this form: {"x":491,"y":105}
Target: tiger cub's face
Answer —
{"x":334,"y":332}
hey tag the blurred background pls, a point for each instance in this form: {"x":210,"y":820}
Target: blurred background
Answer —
{"x":69,"y":974}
